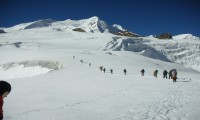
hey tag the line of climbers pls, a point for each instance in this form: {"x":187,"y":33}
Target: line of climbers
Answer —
{"x":172,"y":73}
{"x":83,"y":61}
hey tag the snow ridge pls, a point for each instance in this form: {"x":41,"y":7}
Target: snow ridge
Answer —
{"x":185,"y":36}
{"x":40,"y":23}
{"x":135,"y":45}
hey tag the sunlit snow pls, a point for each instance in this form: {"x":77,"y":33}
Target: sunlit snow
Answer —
{"x":55,"y":75}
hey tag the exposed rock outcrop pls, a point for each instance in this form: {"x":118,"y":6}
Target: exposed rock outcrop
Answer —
{"x":165,"y":36}
{"x":2,"y":31}
{"x":127,"y":33}
{"x":78,"y":30}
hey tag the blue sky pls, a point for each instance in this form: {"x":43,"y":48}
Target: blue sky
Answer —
{"x":145,"y":17}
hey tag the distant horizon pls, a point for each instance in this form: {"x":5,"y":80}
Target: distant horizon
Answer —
{"x":141,"y":17}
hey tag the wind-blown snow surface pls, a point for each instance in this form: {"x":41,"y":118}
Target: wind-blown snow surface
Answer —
{"x":77,"y":91}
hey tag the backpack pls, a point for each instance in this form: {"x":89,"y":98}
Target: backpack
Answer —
{"x":174,"y":72}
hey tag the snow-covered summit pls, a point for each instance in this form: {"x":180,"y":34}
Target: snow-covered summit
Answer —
{"x":93,"y":24}
{"x":186,"y":36}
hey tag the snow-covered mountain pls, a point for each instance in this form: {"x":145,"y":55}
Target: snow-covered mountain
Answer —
{"x":93,"y":24}
{"x":185,"y":36}
{"x":54,"y":73}
{"x":179,"y":49}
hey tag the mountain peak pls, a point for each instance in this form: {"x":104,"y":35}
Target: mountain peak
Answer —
{"x":94,"y":18}
{"x":119,"y":27}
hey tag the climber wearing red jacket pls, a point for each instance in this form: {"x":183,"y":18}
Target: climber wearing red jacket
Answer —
{"x":5,"y":89}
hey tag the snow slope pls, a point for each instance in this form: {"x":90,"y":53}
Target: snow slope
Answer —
{"x":54,"y":86}
{"x":184,"y":52}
